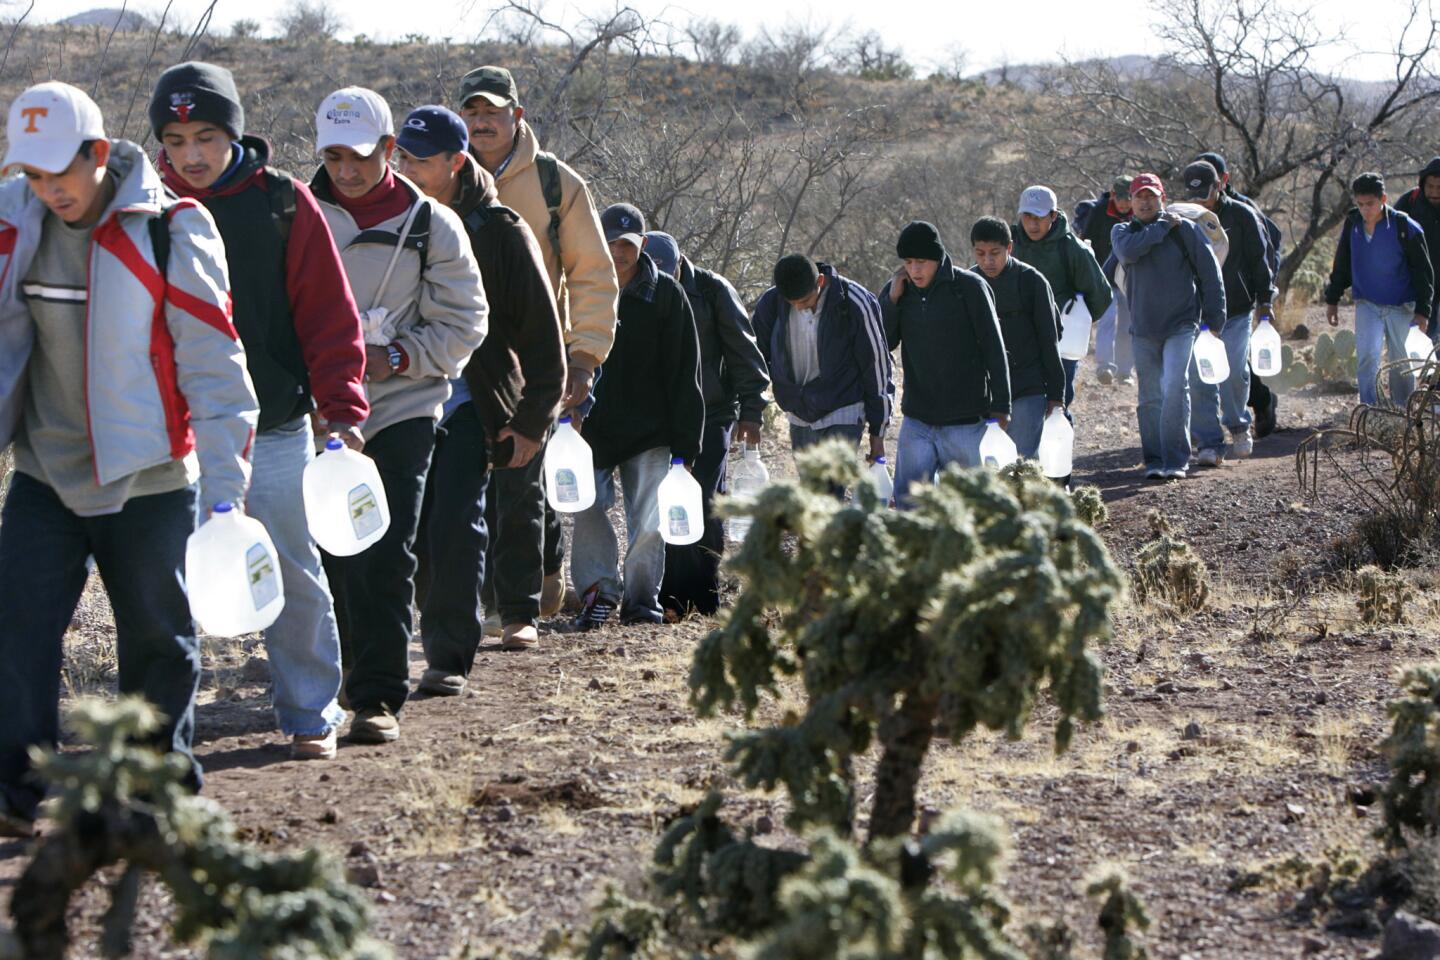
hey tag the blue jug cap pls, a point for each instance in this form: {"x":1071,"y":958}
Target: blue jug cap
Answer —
{"x":994,"y":420}
{"x":566,"y":419}
{"x":334,"y":443}
{"x":677,"y":461}
{"x":1204,"y":328}
{"x":224,"y":506}
{"x":879,"y":459}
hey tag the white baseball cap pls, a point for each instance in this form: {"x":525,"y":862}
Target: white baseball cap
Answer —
{"x":47,"y":125}
{"x":353,"y":117}
{"x":1038,"y":201}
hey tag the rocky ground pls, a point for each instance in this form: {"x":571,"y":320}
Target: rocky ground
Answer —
{"x":1239,"y":737}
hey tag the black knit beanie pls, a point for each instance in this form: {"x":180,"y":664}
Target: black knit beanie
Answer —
{"x":920,"y":241}
{"x":190,"y":92}
{"x":796,"y":276}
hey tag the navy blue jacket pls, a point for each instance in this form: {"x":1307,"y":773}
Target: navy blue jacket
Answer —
{"x":1413,"y":252}
{"x":1172,"y":283}
{"x":854,"y":363}
{"x":1248,"y":280}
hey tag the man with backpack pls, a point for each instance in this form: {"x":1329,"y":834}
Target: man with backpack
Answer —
{"x":1094,"y":219}
{"x":304,"y":349}
{"x":494,"y":423}
{"x":122,"y":383}
{"x":424,"y":314}
{"x":733,"y":379}
{"x":555,"y":201}
{"x":1383,"y":259}
{"x":1172,"y":283}
{"x":1423,"y":206}
{"x":1249,"y":288}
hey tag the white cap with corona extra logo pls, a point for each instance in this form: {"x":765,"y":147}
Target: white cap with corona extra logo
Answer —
{"x":47,"y":125}
{"x":353,"y":117}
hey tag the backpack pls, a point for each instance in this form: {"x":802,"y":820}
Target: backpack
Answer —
{"x":282,"y":201}
{"x":1209,"y":226}
{"x":548,"y":167}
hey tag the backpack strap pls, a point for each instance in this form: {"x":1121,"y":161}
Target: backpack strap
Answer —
{"x":1185,"y":252}
{"x":160,"y":243}
{"x":548,"y":167}
{"x":282,"y":201}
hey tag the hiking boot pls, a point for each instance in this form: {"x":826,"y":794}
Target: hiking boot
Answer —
{"x":595,"y":610}
{"x":1209,"y":457}
{"x":374,"y":725}
{"x":14,"y":824}
{"x":1241,"y":445}
{"x":318,"y":747}
{"x":441,"y":683}
{"x":493,"y":626}
{"x":1105,"y":377}
{"x":519,"y":636}
{"x":1265,"y":416}
{"x":552,"y":594}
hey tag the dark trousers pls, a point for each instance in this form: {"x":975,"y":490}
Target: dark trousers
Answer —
{"x":140,"y":553}
{"x":521,"y":549}
{"x":374,"y":589}
{"x":692,"y":572}
{"x":451,"y":543}
{"x":1259,"y":393}
{"x":554,"y":545}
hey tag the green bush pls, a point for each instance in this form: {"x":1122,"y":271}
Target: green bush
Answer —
{"x":1411,"y":800}
{"x":1382,"y":596}
{"x":1168,"y":572}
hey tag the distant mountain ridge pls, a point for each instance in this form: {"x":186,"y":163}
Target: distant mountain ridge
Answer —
{"x":109,"y":18}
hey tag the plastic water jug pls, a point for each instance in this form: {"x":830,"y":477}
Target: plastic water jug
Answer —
{"x":745,"y":481}
{"x":997,"y":450}
{"x":1417,"y":344}
{"x":345,"y":505}
{"x":1210,"y":358}
{"x":682,"y":506}
{"x":1057,"y":445}
{"x":1266,"y":354}
{"x":569,"y":470}
{"x":879,"y":474}
{"x":1075,"y":330}
{"x":232,"y":574}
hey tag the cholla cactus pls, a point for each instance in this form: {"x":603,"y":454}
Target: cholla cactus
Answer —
{"x":1121,"y":912}
{"x":1382,"y":596}
{"x":1168,"y":571}
{"x":901,"y":624}
{"x":1411,"y":801}
{"x":119,"y":803}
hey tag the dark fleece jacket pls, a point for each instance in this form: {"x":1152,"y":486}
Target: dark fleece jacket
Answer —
{"x":1426,"y":214}
{"x":517,"y":376}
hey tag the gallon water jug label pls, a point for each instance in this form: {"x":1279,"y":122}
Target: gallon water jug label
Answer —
{"x":993,"y":463}
{"x":264,"y":581}
{"x":1265,"y":355}
{"x":679,"y":522}
{"x":567,"y":488}
{"x":364,"y":511}
{"x":1206,"y":369}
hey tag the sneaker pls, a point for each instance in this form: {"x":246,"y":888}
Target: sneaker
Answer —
{"x":1265,"y":416}
{"x":319,"y":747}
{"x":1154,"y":473}
{"x":552,"y":594}
{"x":493,"y":626}
{"x":441,"y":683}
{"x":1176,"y":474}
{"x":594,"y":610}
{"x":1209,"y":457}
{"x":1241,"y":445}
{"x":519,"y":636}
{"x":14,"y":824}
{"x":1105,"y":377}
{"x":374,"y":725}
{"x":1128,"y":380}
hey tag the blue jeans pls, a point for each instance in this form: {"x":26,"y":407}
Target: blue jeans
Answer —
{"x":1216,"y":403}
{"x":595,"y":550}
{"x":1069,"y":366}
{"x":1377,"y":325}
{"x":1112,"y":338}
{"x":140,"y":553}
{"x":1162,"y":368}
{"x":1027,"y":420}
{"x":802,"y":437}
{"x":923,"y":451}
{"x":303,"y":644}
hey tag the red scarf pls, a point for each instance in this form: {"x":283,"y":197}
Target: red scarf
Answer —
{"x":386,"y":200}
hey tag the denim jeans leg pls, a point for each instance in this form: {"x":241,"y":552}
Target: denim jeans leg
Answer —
{"x":1027,"y":420}
{"x":1205,"y":428}
{"x":594,"y":548}
{"x":303,"y":644}
{"x":1105,"y":340}
{"x":374,"y":590}
{"x":514,"y":566}
{"x":917,"y":459}
{"x":140,"y":553}
{"x":1124,"y":352}
{"x":1149,"y":367}
{"x":1397,"y":328}
{"x":1369,"y":341}
{"x":640,"y":478}
{"x":1175,"y":400}
{"x":959,"y":444}
{"x":43,"y":547}
{"x":1070,"y":367}
{"x":1235,"y":391}
{"x":452,"y":543}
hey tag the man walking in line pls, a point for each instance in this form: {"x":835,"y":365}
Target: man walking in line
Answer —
{"x":303,"y":346}
{"x":116,"y":403}
{"x":1112,"y":328}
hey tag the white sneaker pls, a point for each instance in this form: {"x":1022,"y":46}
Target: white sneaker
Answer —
{"x":1209,"y":457}
{"x":1175,"y":474}
{"x":1154,"y":473}
{"x":1241,"y":445}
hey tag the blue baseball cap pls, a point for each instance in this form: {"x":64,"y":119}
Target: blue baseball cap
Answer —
{"x":433,"y":129}
{"x":621,"y":221}
{"x":664,"y":251}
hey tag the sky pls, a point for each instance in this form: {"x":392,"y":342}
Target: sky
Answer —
{"x":989,"y":33}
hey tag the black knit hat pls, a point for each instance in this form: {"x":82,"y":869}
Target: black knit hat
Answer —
{"x":920,"y":241}
{"x":796,"y":276}
{"x":190,"y":92}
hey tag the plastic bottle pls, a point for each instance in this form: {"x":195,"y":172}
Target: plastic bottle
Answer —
{"x":1075,"y":330}
{"x":1266,"y":354}
{"x":232,"y":574}
{"x":1057,"y":445}
{"x":997,"y":450}
{"x":1210,"y":358}
{"x":345,"y":505}
{"x":569,"y":470}
{"x":682,"y":508}
{"x":1417,"y":344}
{"x":745,"y":481}
{"x":880,"y":476}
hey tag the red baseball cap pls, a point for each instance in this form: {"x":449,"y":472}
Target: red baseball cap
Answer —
{"x":1147,"y":181}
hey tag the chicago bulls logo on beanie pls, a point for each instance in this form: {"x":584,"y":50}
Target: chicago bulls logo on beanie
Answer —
{"x":197,"y":93}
